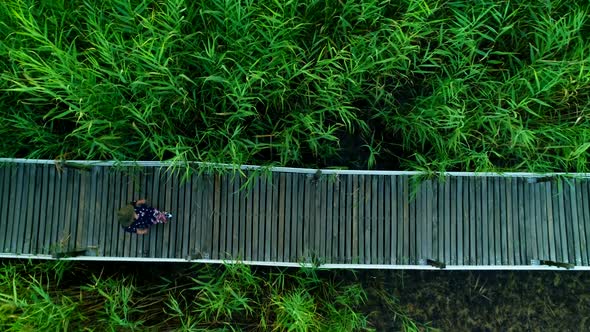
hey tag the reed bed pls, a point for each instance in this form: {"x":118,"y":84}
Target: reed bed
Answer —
{"x":411,"y":84}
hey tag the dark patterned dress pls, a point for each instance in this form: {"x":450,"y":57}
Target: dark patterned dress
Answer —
{"x":146,"y":217}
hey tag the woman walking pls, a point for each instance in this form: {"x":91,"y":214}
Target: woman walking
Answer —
{"x":137,"y":217}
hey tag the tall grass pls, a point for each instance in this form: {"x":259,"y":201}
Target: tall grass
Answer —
{"x":76,"y":297}
{"x":412,"y":84}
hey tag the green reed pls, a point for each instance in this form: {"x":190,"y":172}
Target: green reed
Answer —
{"x":413,"y":84}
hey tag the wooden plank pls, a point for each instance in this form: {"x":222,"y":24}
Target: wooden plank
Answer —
{"x":378,"y":232}
{"x":84,"y":207}
{"x":275,"y":217}
{"x":44,"y":222}
{"x":529,"y":218}
{"x":461,"y":245}
{"x":266,"y":206}
{"x":436,"y":209}
{"x":579,"y":203}
{"x":196,"y":215}
{"x":361,"y":218}
{"x":93,"y":199}
{"x":473,"y":206}
{"x":491,"y":211}
{"x":447,"y":220}
{"x":387,"y":220}
{"x":152,"y":195}
{"x":485,"y":218}
{"x":394,"y":218}
{"x":514,"y":206}
{"x":343,"y":220}
{"x":544,"y":223}
{"x":162,"y":240}
{"x":418,"y":216}
{"x":323,"y":219}
{"x":209,"y":215}
{"x":306,"y":221}
{"x":346,"y":224}
{"x":294,"y":217}
{"x":406,"y":218}
{"x":296,"y":237}
{"x":38,"y":224}
{"x":480,"y":213}
{"x":186,"y":216}
{"x":299,"y":221}
{"x":6,"y":192}
{"x":14,"y":210}
{"x":20,"y":207}
{"x":168,"y":247}
{"x":126,"y":196}
{"x":507,"y":202}
{"x":585,"y":206}
{"x":465,"y":211}
{"x":550,"y":222}
{"x":29,"y":207}
{"x":355,"y":256}
{"x":141,"y":192}
{"x":262,"y":241}
{"x":216,"y":217}
{"x":453,"y":211}
{"x":255,"y":199}
{"x":247,"y":247}
{"x":131,"y":195}
{"x":374,"y":218}
{"x":283,"y":191}
{"x":172,"y":197}
{"x":226,"y":213}
{"x":116,"y":233}
{"x":572,"y":214}
{"x":234,"y":240}
{"x":567,"y":247}
{"x":336,"y":220}
{"x":180,"y":219}
{"x":499,"y":222}
{"x":573,"y":243}
{"x":413,"y":222}
{"x":119,"y":235}
{"x":319,"y":217}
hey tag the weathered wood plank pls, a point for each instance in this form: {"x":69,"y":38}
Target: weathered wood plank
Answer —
{"x":226,"y":214}
{"x":479,"y":221}
{"x":209,"y":215}
{"x":585,"y":206}
{"x":290,"y":190}
{"x":461,"y":208}
{"x":117,"y":234}
{"x":267,"y":203}
{"x":298,"y":223}
{"x":498,"y":225}
{"x":307,"y":217}
{"x":573,"y":244}
{"x":255,"y":199}
{"x":355,"y":257}
{"x":216,"y":217}
{"x":509,"y":220}
{"x":394,"y":219}
{"x":249,"y":220}
{"x":127,"y":196}
{"x":180,"y":220}
{"x":15,"y":204}
{"x":29,"y":209}
{"x":319,"y":217}
{"x":489,"y":193}
{"x":196,"y":214}
{"x":282,"y":215}
{"x":414,"y":188}
{"x":275,"y":218}
{"x":36,"y":231}
{"x":234,"y":240}
{"x":550,"y":222}
{"x":323,"y":219}
{"x":374,"y":219}
{"x":153,"y":189}
{"x":386,"y":237}
{"x":485,"y":248}
{"x":542,"y":232}
{"x":335,"y":220}
{"x":24,"y":179}
{"x":43,"y":221}
{"x":436,"y":193}
{"x":447,"y":221}
{"x":93,"y":207}
{"x":416,"y":208}
{"x":264,"y":212}
{"x":406,"y":218}
{"x":579,"y":203}
{"x":572,"y":213}
{"x":362,"y":219}
{"x":6,"y":175}
{"x":473,"y":207}
{"x":454,"y":215}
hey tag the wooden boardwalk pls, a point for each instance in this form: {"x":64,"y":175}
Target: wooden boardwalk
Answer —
{"x":342,"y":219}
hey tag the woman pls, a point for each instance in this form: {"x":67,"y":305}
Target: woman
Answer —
{"x":137,"y":217}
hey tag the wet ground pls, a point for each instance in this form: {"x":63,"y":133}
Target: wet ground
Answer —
{"x":483,"y":301}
